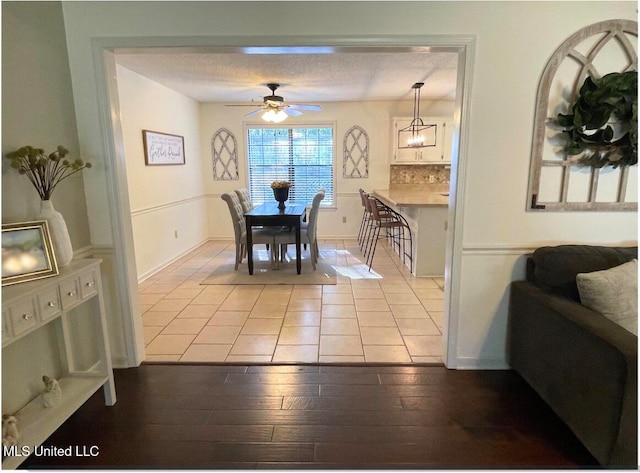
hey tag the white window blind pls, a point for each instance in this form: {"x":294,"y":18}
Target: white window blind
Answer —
{"x":302,"y":155}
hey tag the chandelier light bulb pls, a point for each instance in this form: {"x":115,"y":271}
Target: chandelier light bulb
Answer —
{"x":272,"y":116}
{"x":416,"y":141}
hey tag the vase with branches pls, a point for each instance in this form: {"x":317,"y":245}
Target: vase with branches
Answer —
{"x":45,"y":172}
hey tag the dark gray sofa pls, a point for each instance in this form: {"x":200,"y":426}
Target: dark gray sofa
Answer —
{"x":582,"y":364}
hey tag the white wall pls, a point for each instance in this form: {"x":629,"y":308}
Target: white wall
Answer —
{"x":513,"y":41}
{"x":164,"y":199}
{"x":38,"y":110}
{"x":373,"y":117}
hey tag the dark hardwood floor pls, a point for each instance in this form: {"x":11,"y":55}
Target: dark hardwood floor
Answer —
{"x":203,"y":416}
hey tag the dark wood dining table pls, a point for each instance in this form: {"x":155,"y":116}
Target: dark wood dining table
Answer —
{"x":269,"y":215}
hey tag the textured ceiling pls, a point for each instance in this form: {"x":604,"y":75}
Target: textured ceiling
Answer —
{"x":306,"y":75}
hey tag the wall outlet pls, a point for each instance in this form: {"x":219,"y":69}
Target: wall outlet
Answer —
{"x":175,"y":234}
{"x":344,"y":219}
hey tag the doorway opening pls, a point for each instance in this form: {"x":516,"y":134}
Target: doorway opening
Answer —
{"x":373,"y":333}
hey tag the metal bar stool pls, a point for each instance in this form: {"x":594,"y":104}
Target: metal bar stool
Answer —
{"x":365,"y":223}
{"x":404,"y":238}
{"x":369,"y":202}
{"x":365,"y":237}
{"x":395,"y":225}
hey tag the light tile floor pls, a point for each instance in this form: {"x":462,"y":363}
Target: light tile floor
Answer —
{"x":385,"y":315}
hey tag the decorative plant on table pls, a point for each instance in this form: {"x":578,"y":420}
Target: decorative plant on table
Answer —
{"x":45,"y":173}
{"x":602,"y":128}
{"x":281,"y":192}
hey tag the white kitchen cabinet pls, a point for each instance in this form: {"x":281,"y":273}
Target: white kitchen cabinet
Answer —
{"x":447,"y":140}
{"x":438,"y":154}
{"x":62,"y":302}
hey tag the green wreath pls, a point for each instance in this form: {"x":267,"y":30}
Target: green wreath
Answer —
{"x":605,"y":103}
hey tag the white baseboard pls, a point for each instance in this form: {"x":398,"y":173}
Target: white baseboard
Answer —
{"x":467,"y":363}
{"x":173,"y":259}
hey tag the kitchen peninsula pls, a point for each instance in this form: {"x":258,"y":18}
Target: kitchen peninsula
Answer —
{"x":421,"y":195}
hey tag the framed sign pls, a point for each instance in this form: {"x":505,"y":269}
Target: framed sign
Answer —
{"x":27,"y":252}
{"x":162,"y":148}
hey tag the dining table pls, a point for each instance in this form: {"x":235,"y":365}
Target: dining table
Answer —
{"x":269,"y":214}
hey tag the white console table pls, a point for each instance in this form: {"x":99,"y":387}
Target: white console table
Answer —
{"x":31,"y":306}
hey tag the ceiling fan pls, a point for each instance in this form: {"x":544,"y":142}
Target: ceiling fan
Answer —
{"x":275,"y":108}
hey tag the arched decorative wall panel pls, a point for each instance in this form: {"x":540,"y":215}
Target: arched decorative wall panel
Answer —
{"x":224,"y":152}
{"x":355,"y":164}
{"x":556,"y":180}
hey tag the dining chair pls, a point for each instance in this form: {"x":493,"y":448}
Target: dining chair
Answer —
{"x":308,"y":233}
{"x":245,"y":199}
{"x":259,"y":235}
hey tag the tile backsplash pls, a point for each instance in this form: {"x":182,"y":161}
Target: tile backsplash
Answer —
{"x":419,"y":174}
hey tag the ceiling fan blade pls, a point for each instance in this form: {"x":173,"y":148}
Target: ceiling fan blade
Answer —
{"x":254,"y":113}
{"x":240,"y":104}
{"x":312,"y":108}
{"x":292,"y":113}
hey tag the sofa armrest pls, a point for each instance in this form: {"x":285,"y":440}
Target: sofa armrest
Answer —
{"x":582,"y":364}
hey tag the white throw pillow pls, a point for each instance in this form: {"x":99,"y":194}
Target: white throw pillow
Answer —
{"x":613,"y":293}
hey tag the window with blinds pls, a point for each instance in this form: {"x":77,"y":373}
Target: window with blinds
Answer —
{"x":302,"y":155}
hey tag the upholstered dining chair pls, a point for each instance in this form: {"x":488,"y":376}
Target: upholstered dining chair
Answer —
{"x":308,"y":233}
{"x":245,"y":199}
{"x":259,"y":235}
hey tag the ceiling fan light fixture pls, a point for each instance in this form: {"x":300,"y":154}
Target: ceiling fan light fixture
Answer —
{"x":273,"y":116}
{"x":417,"y":134}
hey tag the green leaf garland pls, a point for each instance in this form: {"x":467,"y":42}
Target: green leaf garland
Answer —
{"x":602,"y":129}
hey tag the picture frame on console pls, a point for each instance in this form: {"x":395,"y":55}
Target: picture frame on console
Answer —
{"x":27,"y":252}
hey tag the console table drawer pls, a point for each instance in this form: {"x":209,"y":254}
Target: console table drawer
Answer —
{"x":49,"y":303}
{"x":23,"y":316}
{"x":88,"y":285}
{"x":6,"y":334}
{"x":69,"y":292}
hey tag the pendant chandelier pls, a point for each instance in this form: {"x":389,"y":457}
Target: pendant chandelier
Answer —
{"x":417,"y":134}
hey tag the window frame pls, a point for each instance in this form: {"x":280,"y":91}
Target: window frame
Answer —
{"x":287,"y":125}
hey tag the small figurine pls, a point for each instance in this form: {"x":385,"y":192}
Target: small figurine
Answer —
{"x":52,"y":392}
{"x":10,"y":433}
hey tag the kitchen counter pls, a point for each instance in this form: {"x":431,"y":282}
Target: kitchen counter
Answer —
{"x":404,"y":198}
{"x":426,"y":212}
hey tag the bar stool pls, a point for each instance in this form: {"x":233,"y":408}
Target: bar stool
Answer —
{"x":366,"y":218}
{"x":405,"y":226}
{"x":395,"y":226}
{"x":383,"y":211}
{"x":367,"y":222}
